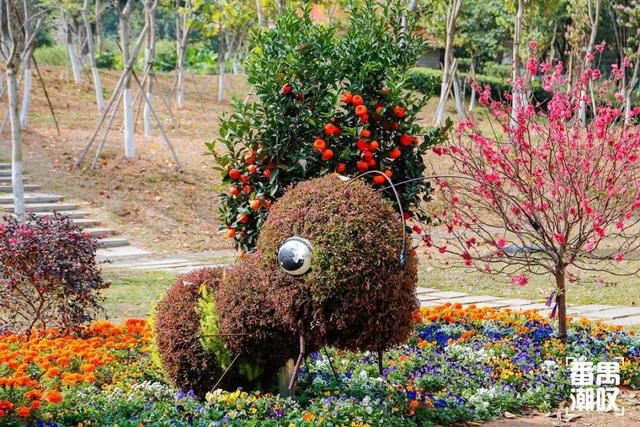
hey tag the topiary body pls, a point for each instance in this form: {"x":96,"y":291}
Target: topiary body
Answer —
{"x":358,"y":294}
{"x":178,"y":335}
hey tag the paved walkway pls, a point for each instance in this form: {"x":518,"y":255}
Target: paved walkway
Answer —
{"x":610,"y":314}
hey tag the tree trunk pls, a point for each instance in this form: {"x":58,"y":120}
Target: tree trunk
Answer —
{"x":472,"y":102}
{"x":447,"y":74}
{"x":516,"y":95}
{"x":632,"y":85}
{"x":92,"y":59}
{"x":149,"y":53}
{"x":221,"y":65}
{"x":71,"y":50}
{"x":16,"y":145}
{"x":594,"y":18}
{"x":26,"y":92}
{"x":182,"y":32}
{"x":562,"y":303}
{"x":98,"y":22}
{"x":260,"y":12}
{"x":127,"y":102}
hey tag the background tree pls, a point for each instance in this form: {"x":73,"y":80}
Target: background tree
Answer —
{"x":97,"y":85}
{"x":448,"y":66}
{"x":149,"y":55}
{"x":124,"y":11}
{"x":626,"y":19}
{"x":16,"y":49}
{"x":26,"y":60}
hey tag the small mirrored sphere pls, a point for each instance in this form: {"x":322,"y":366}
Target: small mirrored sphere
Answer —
{"x":294,"y":256}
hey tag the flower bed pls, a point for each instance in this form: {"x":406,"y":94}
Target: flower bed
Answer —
{"x":460,"y":364}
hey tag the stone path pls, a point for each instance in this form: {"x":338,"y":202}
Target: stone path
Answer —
{"x":177,"y":264}
{"x":610,"y":314}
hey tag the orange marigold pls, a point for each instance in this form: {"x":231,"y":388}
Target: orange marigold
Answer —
{"x":23,"y":412}
{"x":53,"y":397}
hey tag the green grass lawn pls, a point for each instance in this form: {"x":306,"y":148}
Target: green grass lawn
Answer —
{"x":133,"y":294}
{"x":612,"y":290}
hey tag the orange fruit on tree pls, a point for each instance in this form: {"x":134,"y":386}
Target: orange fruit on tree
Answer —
{"x":231,"y":233}
{"x":234,"y":191}
{"x":395,"y":153}
{"x":255,"y":204}
{"x":357,"y":100}
{"x":389,"y":173}
{"x":286,"y":89}
{"x":347,"y":97}
{"x":341,"y":168}
{"x":374,"y":145}
{"x":319,"y":144}
{"x":361,"y":110}
{"x":365,"y":133}
{"x":243,"y":218}
{"x":331,"y":129}
{"x":362,"y":165}
{"x":327,"y":154}
{"x":399,"y":111}
{"x":379,"y":180}
{"x":234,"y":174}
{"x":406,"y":139}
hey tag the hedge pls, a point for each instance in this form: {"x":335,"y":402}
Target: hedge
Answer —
{"x":429,"y":80}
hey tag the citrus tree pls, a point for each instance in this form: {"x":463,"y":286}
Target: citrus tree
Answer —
{"x":324,"y":103}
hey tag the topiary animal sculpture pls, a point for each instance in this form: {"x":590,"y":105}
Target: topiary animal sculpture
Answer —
{"x":331,"y":269}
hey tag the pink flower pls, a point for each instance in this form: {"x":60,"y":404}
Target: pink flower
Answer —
{"x":618,"y":258}
{"x":626,"y":62}
{"x":442,"y":249}
{"x":589,"y":57}
{"x":501,"y":243}
{"x":559,"y":238}
{"x":595,"y":74}
{"x":519,"y":280}
{"x":600,"y":47}
{"x":532,"y":66}
{"x":533,"y":44}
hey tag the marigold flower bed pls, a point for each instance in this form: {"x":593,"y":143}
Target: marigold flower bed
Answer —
{"x":461,"y":364}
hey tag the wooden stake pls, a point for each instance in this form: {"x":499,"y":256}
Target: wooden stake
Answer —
{"x":115,"y":95}
{"x":160,"y":126}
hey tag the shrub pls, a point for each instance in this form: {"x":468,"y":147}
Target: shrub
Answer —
{"x":186,"y":363}
{"x":106,"y":59}
{"x":358,"y":294}
{"x":503,"y":71}
{"x":165,"y":57}
{"x":298,"y":130}
{"x":426,"y":80}
{"x":48,"y":274}
{"x":51,"y":55}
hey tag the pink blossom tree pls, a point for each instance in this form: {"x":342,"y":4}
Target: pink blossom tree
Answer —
{"x":550,"y":194}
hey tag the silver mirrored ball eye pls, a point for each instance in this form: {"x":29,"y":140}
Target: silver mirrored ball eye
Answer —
{"x":294,"y":256}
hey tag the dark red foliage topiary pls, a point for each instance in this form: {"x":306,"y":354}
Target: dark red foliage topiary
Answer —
{"x":360,"y":296}
{"x":178,"y":335}
{"x":48,"y":274}
{"x":250,"y":307}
